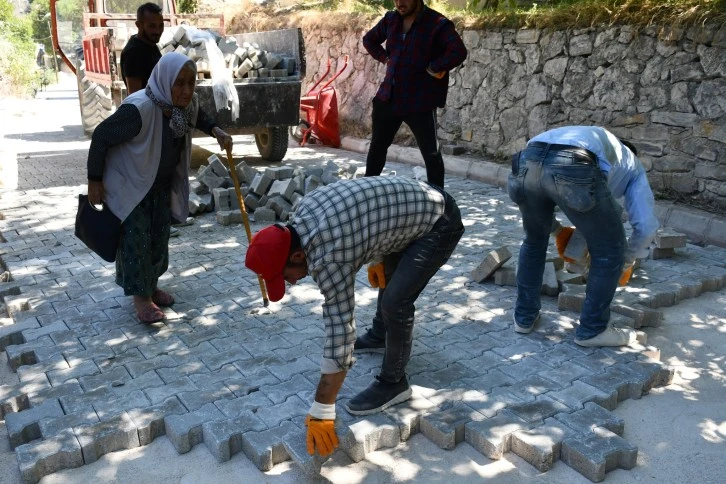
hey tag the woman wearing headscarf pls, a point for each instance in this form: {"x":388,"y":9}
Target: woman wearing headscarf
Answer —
{"x":138,"y":164}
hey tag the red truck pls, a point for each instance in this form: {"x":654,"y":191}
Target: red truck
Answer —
{"x":267,"y":107}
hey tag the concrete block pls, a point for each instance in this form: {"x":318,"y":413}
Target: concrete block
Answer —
{"x":210,"y":180}
{"x":493,"y":261}
{"x":184,"y":431}
{"x":12,"y":334}
{"x":311,"y":183}
{"x":669,"y":239}
{"x":613,"y":379}
{"x":569,"y":278}
{"x":577,"y":247}
{"x":278,"y":73}
{"x":579,"y":393}
{"x":446,"y":428}
{"x":642,"y":315}
{"x":571,"y":298}
{"x":52,"y":426}
{"x":650,"y":373}
{"x":244,"y":68}
{"x":14,"y":398}
{"x":222,"y":201}
{"x":536,"y":411}
{"x":266,"y":448}
{"x":656,"y":253}
{"x":296,"y":447}
{"x":452,"y":150}
{"x":261,"y":184}
{"x":550,"y":285}
{"x":506,"y":276}
{"x":41,"y":458}
{"x":265,"y":215}
{"x":245,"y":173}
{"x":217,"y":166}
{"x":23,"y":426}
{"x":109,"y":408}
{"x":149,"y":421}
{"x":197,"y":205}
{"x":542,"y":445}
{"x":223,"y":438}
{"x":493,"y":437}
{"x":597,"y":453}
{"x":280,"y":206}
{"x":591,"y":416}
{"x":99,"y":439}
{"x":282,"y":188}
{"x":279,"y":172}
{"x":407,"y":415}
{"x":371,"y":433}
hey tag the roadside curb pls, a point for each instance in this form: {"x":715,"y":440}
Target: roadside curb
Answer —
{"x":700,"y":226}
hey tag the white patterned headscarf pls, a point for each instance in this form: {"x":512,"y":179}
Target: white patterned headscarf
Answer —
{"x":159,"y":91}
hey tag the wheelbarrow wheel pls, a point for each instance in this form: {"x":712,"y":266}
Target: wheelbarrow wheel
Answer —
{"x":272,"y":143}
{"x":296,"y":132}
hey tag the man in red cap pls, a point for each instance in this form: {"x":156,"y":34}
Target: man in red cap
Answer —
{"x":406,"y":230}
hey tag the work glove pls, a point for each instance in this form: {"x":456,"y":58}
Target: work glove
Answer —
{"x":562,"y":237}
{"x":321,"y":429}
{"x":377,"y":275}
{"x":437,"y":75}
{"x":627,"y":272}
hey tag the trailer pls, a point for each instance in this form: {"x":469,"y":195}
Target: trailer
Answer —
{"x":267,"y":106}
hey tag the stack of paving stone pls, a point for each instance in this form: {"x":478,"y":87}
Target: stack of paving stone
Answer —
{"x":246,"y":61}
{"x":270,"y":195}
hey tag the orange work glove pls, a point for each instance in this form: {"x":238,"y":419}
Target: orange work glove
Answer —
{"x":561,"y":240}
{"x":627,"y":273}
{"x":321,"y":435}
{"x":437,"y":75}
{"x":377,"y":275}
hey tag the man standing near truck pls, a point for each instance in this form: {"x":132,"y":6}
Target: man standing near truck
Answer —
{"x":141,"y":53}
{"x":422,"y":46}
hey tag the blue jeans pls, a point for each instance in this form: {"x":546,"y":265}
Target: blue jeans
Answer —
{"x":542,"y":178}
{"x":407,"y":274}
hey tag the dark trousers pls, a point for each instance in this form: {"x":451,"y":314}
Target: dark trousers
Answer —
{"x":385,"y":125}
{"x":407,"y":274}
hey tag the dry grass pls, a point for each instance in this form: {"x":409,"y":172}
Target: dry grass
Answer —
{"x":566,"y":14}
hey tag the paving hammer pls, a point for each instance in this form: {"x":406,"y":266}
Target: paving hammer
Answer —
{"x":245,"y":218}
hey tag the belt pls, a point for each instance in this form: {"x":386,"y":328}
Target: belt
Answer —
{"x":580,"y":155}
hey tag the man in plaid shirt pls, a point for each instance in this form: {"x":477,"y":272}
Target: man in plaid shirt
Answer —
{"x":406,"y":230}
{"x":422,"y":46}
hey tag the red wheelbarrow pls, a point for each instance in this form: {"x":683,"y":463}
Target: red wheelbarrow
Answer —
{"x":319,"y":109}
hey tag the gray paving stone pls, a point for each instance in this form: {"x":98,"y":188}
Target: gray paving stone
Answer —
{"x":618,"y":381}
{"x":274,"y":415}
{"x":196,"y":399}
{"x":266,"y":448}
{"x":651,"y":373}
{"x":278,"y":393}
{"x":536,"y":411}
{"x":159,"y":394}
{"x":38,"y":370}
{"x":44,"y":457}
{"x":149,"y":421}
{"x":407,"y":415}
{"x":542,"y":445}
{"x":493,"y":436}
{"x":13,"y":334}
{"x":597,"y":453}
{"x":223,"y":438}
{"x":445,"y":427}
{"x":368,"y":434}
{"x":14,"y":398}
{"x":591,"y":416}
{"x":115,"y":405}
{"x":296,"y":447}
{"x":99,"y":439}
{"x":85,"y":368}
{"x":246,"y":403}
{"x":23,"y":426}
{"x":579,"y":393}
{"x":185,"y":430}
{"x":51,"y":426}
{"x":137,"y":368}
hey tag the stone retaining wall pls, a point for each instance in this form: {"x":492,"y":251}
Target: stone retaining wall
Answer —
{"x":662,"y":89}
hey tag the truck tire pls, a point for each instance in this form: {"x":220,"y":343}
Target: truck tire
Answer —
{"x":94,"y":99}
{"x":272,"y":143}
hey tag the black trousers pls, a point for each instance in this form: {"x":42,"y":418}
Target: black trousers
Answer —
{"x":423,"y":126}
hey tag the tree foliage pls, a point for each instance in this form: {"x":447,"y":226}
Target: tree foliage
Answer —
{"x":17,"y":51}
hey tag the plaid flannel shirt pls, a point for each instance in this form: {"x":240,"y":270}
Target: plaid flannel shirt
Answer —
{"x":431,"y":41}
{"x":347,"y":224}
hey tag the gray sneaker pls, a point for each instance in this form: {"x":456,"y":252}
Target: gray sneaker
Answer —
{"x":173,"y":232}
{"x":610,"y":337}
{"x":525,"y":329}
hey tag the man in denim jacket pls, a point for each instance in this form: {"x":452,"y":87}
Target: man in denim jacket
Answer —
{"x":583,"y":170}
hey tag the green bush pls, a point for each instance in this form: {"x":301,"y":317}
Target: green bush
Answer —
{"x":17,"y":52}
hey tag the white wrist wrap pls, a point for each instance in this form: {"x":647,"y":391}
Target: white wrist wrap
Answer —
{"x":322,"y":411}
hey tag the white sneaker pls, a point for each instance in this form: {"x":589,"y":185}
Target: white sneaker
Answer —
{"x":525,"y":329}
{"x":610,"y":337}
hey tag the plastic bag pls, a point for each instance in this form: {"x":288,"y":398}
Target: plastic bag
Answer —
{"x":225,"y":94}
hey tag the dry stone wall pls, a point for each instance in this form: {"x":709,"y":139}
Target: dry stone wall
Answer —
{"x":662,"y":89}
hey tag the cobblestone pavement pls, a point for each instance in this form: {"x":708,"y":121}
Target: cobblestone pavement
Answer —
{"x":225,"y":372}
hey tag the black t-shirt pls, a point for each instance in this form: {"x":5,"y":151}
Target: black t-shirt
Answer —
{"x":138,"y":60}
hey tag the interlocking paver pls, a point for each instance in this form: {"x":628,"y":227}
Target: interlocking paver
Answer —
{"x":226,"y":372}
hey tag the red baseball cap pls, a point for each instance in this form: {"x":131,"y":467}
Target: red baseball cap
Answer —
{"x":267,"y":256}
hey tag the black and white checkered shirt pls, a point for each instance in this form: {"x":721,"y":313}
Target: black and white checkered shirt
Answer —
{"x":349,"y":223}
